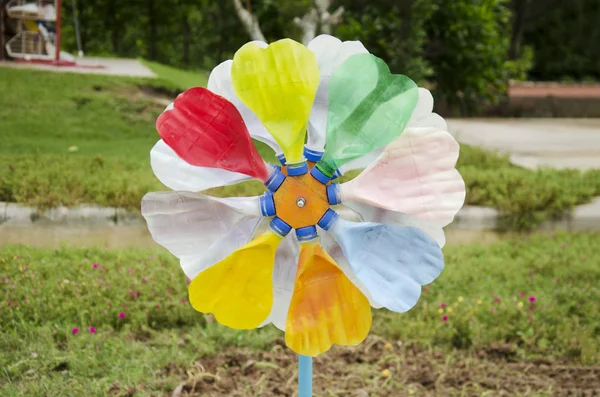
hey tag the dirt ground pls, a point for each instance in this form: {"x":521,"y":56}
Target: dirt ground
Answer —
{"x":379,"y":368}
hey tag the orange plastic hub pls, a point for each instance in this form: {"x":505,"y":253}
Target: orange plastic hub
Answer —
{"x":301,"y":200}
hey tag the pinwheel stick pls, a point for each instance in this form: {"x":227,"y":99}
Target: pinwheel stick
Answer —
{"x":304,"y":376}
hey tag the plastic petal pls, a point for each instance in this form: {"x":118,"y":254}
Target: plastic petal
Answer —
{"x":331,"y":52}
{"x":205,"y":129}
{"x":326,"y":307}
{"x":368,"y":213}
{"x":414,"y":175}
{"x":200,"y":230}
{"x":368,"y":108}
{"x":220,"y":83}
{"x":239,"y":289}
{"x":176,"y":174}
{"x":278,"y":83}
{"x":284,"y":274}
{"x":423,"y":115}
{"x":392,"y":262}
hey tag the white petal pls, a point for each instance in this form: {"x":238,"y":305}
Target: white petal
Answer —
{"x":284,"y":275}
{"x":423,"y":115}
{"x":176,"y":174}
{"x":361,"y":162}
{"x":200,"y":230}
{"x":414,"y":175}
{"x":331,"y":52}
{"x":369,"y":213}
{"x":220,"y":83}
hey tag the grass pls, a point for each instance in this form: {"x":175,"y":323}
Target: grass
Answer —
{"x":183,"y":79}
{"x":486,"y":292}
{"x":70,"y":138}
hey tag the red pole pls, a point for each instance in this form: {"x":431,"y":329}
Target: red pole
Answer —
{"x":57,"y":34}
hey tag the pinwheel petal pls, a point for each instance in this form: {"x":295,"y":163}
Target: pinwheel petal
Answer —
{"x":392,"y":262}
{"x":368,"y":213}
{"x":176,"y":174}
{"x":205,"y":129}
{"x":423,"y":115}
{"x":331,"y":52}
{"x":220,"y":83}
{"x":414,"y":175}
{"x":284,"y":274}
{"x":278,"y":83}
{"x":200,"y":230}
{"x":326,"y":308}
{"x":368,"y":108}
{"x":239,"y":289}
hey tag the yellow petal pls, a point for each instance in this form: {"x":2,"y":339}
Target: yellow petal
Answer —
{"x":278,"y":84}
{"x":239,"y":289}
{"x":326,"y":307}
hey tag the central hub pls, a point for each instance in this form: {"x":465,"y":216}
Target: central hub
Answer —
{"x":310,"y":197}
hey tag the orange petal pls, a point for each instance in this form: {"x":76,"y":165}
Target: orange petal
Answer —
{"x":326,"y":307}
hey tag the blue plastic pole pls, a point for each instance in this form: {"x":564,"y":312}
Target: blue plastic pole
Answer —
{"x":304,"y":376}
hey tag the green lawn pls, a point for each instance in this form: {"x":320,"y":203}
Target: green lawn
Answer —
{"x":71,"y":138}
{"x":183,"y":79}
{"x":537,"y":298}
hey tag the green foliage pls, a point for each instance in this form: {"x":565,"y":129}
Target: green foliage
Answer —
{"x":565,"y":36}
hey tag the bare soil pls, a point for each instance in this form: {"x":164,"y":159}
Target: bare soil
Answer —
{"x":380,"y":368}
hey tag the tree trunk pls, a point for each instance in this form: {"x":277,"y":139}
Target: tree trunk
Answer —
{"x":318,"y":19}
{"x":250,"y":21}
{"x":518,"y":27}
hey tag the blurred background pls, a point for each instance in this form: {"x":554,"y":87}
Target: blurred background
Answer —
{"x":91,"y":306}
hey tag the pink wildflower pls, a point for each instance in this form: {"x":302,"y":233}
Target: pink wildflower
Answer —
{"x":521,"y":293}
{"x":445,"y":318}
{"x":75,"y":331}
{"x":532,"y":307}
{"x":496,"y":299}
{"x":99,"y":281}
{"x":103,"y":267}
{"x":144,"y":279}
{"x":121,"y":315}
{"x":532,"y":299}
{"x":442,"y":305}
{"x":92,"y":330}
{"x":493,"y":309}
{"x":95,"y":265}
{"x":184,"y":300}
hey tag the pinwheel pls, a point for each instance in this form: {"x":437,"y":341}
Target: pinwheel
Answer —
{"x":379,"y":236}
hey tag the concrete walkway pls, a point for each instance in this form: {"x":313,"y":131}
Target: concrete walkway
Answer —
{"x":533,"y":143}
{"x":107,"y":66}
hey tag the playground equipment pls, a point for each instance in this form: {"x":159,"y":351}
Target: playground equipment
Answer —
{"x":37,"y":32}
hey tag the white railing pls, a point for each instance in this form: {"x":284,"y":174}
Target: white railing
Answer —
{"x":41,"y":10}
{"x":28,"y":45}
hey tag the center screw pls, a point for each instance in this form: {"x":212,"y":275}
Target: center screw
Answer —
{"x":300,"y":202}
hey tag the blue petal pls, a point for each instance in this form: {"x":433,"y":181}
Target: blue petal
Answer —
{"x":392,"y":261}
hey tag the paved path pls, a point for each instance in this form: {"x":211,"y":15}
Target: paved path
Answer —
{"x":110,"y":66}
{"x":533,"y":143}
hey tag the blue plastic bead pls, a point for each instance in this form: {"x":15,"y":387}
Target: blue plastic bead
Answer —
{"x":267,"y":204}
{"x":280,"y":227}
{"x":297,"y":169}
{"x":319,"y":176}
{"x":275,"y":180}
{"x":328,"y":219}
{"x":333,"y":194}
{"x":306,"y":233}
{"x":281,"y":158}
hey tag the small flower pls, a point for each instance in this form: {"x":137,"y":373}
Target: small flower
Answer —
{"x":521,"y":293}
{"x":479,"y":301}
{"x":493,"y":309}
{"x":460,"y":299}
{"x":100,"y":281}
{"x":169,"y":291}
{"x":130,"y":271}
{"x":445,"y":318}
{"x":558,"y":280}
{"x":103,"y":267}
{"x":34,"y":355}
{"x":450,"y":310}
{"x":121,"y":315}
{"x":184,"y":300}
{"x":440,"y":311}
{"x":532,"y":299}
{"x":75,"y":331}
{"x":144,"y":279}
{"x":520,"y":305}
{"x":387,"y":346}
{"x":496,"y":299}
{"x":443,"y":305}
{"x":95,"y":265}
{"x":92,"y":330}
{"x":386,"y":373}
{"x":532,"y":307}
